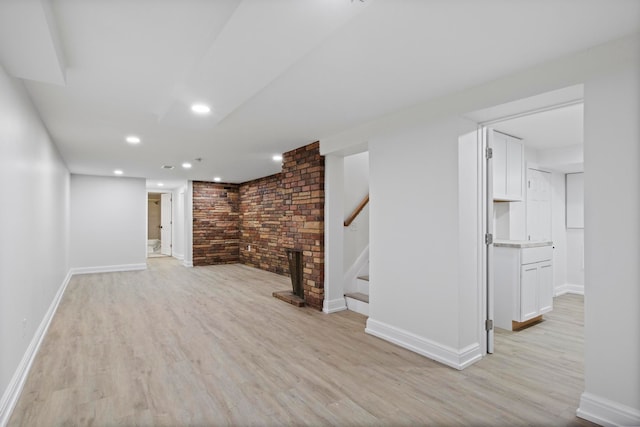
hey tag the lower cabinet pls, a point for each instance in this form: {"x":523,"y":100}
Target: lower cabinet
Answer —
{"x":523,"y":284}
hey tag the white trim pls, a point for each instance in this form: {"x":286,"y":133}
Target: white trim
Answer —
{"x":348,"y":281}
{"x":568,"y":288}
{"x":109,"y":268}
{"x":606,"y":412}
{"x":188,"y":264}
{"x":332,"y":306}
{"x":458,"y":359}
{"x":178,"y":256}
{"x":357,"y":306}
{"x":12,"y":393}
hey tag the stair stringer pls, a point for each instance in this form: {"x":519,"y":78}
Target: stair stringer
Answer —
{"x":359,"y":267}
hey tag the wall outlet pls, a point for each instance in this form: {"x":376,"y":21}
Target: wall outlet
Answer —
{"x":249,"y":248}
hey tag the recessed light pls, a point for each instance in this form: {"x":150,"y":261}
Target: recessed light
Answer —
{"x":132,"y":139}
{"x":167,"y":167}
{"x":200,"y":108}
{"x":186,"y":165}
{"x":118,"y":172}
{"x":277,"y":158}
{"x":160,"y":184}
{"x":217,"y":179}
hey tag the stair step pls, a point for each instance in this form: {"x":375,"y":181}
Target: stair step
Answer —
{"x":358,"y":296}
{"x":365,"y":277}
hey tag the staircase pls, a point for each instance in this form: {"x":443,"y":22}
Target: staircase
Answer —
{"x":356,"y":278}
{"x":358,"y":301}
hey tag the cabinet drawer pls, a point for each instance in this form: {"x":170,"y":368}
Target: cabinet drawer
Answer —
{"x":542,"y":253}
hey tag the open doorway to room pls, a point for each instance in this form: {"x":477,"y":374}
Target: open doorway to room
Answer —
{"x":159,"y":224}
{"x":533,"y":211}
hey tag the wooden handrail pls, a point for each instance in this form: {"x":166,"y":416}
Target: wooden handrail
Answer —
{"x":356,"y":211}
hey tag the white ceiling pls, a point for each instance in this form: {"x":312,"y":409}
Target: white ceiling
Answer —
{"x":278,"y":74}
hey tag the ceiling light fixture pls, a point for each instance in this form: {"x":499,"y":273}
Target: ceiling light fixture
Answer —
{"x":167,"y":167}
{"x":132,"y":139}
{"x":118,"y":172}
{"x":217,"y":179}
{"x":186,"y":165}
{"x":200,"y":108}
{"x":160,"y":184}
{"x":277,"y":158}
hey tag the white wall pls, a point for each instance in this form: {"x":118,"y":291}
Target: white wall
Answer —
{"x":108,"y":223}
{"x":567,"y":159}
{"x":612,"y":245}
{"x":334,"y":286}
{"x":575,"y":259}
{"x":416,"y":289}
{"x":188,"y":225}
{"x":356,"y":187}
{"x":356,"y":180}
{"x":178,"y":222}
{"x":470,"y":293}
{"x":34,"y":230}
{"x":414,"y":298}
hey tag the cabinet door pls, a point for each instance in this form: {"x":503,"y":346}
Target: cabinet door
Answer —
{"x":545,"y":287}
{"x":498,"y":143}
{"x":508,"y":160}
{"x":528,"y":292}
{"x":515,"y":160}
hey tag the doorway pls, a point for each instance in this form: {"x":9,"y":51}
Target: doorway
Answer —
{"x":525,"y":208}
{"x":159,"y":224}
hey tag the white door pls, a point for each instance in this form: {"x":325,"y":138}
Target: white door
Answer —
{"x":538,"y":205}
{"x":165,"y":224}
{"x":488,"y":142}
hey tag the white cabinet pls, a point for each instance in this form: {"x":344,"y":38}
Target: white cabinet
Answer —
{"x":523,"y":283}
{"x":508,"y":166}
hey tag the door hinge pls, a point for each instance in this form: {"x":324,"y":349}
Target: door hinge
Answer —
{"x":488,"y":239}
{"x":488,"y":324}
{"x":489,"y":153}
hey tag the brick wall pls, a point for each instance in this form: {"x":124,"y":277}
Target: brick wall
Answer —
{"x":261,"y":214}
{"x":271,"y":214}
{"x":216,"y":234}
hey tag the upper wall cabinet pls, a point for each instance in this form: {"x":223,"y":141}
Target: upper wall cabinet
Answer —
{"x":508,"y":166}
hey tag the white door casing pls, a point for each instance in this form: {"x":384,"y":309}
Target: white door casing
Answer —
{"x":165,"y":224}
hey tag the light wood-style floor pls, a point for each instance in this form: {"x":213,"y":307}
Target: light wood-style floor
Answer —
{"x":210,"y":346}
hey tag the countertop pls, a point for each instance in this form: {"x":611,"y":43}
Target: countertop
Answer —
{"x":522,"y":243}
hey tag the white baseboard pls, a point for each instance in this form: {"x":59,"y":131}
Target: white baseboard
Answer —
{"x":458,"y":359}
{"x":568,"y":288}
{"x":12,"y":393}
{"x":108,"y":268}
{"x":334,"y":305}
{"x":188,"y":264}
{"x":178,"y":256}
{"x":606,"y":412}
